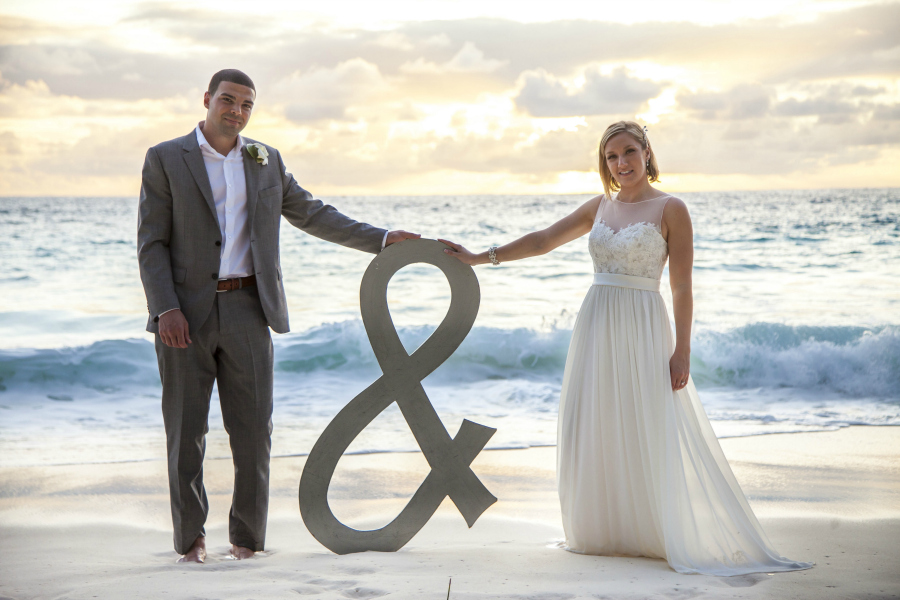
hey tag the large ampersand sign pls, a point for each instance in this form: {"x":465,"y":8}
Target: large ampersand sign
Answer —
{"x":449,"y":458}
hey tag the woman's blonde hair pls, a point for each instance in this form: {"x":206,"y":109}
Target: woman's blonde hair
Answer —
{"x":640,"y":136}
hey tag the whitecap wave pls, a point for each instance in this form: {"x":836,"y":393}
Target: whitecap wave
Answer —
{"x":88,"y":403}
{"x":855,"y":362}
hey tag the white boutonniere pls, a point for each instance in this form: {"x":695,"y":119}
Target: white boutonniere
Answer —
{"x":259,"y":152}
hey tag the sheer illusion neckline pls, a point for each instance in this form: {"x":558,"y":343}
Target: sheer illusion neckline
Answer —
{"x":639,"y":201}
{"x":629,"y":226}
{"x":616,"y":232}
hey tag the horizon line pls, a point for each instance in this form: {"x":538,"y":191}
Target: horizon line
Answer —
{"x":400,"y":195}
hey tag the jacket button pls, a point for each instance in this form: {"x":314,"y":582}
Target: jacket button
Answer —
{"x":218,"y":243}
{"x":215,"y":275}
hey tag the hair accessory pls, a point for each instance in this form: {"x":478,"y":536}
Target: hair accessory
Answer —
{"x":646,"y":139}
{"x":492,"y":254}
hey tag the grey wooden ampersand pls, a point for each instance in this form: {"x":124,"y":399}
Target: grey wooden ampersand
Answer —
{"x":402,"y":373}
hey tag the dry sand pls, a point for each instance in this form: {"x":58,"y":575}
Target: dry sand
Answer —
{"x":103,"y":531}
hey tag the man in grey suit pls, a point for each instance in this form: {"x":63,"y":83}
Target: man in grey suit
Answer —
{"x":209,"y":214}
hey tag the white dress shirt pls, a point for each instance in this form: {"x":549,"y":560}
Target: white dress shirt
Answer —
{"x":229,"y":189}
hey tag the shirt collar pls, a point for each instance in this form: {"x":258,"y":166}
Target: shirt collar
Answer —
{"x":204,"y":145}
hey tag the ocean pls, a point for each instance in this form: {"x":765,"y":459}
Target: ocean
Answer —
{"x":796,"y":322}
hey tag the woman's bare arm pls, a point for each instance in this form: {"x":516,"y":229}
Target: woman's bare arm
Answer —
{"x":536,"y":243}
{"x":680,"y":235}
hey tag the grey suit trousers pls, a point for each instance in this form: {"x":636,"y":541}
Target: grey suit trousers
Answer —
{"x":233,"y":348}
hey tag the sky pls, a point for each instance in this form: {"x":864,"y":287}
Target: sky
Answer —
{"x":458,"y":97}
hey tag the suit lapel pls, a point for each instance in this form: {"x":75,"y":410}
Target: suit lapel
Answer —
{"x":194,"y":159}
{"x":251,"y":174}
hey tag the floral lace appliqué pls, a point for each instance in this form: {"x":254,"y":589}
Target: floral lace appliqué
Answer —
{"x":638,"y":250}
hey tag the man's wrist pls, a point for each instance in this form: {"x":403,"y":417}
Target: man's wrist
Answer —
{"x":159,"y":316}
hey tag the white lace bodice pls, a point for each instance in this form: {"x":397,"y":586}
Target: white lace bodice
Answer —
{"x":626,"y":238}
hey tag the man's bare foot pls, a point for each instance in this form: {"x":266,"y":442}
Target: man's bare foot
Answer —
{"x":240,"y":553}
{"x":197,"y":552}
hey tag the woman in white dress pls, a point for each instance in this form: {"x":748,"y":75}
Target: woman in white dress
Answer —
{"x":640,"y":471}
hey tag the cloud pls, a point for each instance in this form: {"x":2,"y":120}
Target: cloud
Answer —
{"x":834,"y":103}
{"x":214,"y":28}
{"x":96,"y":70}
{"x":469,"y":59}
{"x":769,"y":145}
{"x":748,"y":130}
{"x":826,"y":109}
{"x":853,"y":43}
{"x":889,"y":112}
{"x":17,"y":30}
{"x":741,"y":102}
{"x":10,"y":144}
{"x":52,"y":144}
{"x":864,"y":90}
{"x":373,"y":106}
{"x":519,"y":150}
{"x":104,"y":151}
{"x":49,"y":60}
{"x":542,"y":95}
{"x":327,"y":93}
{"x":393,"y":39}
{"x":89,"y":64}
{"x":364,"y":160}
{"x":857,"y":41}
{"x":400,"y":41}
{"x":103,"y":161}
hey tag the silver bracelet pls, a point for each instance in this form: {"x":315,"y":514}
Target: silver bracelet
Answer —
{"x":492,"y":254}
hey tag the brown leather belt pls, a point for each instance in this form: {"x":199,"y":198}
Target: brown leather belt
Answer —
{"x":228,"y":285}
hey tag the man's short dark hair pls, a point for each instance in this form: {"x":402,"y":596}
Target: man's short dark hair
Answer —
{"x":231,"y":76}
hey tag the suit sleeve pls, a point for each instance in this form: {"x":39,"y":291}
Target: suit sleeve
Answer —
{"x":153,"y":234}
{"x":324,"y":221}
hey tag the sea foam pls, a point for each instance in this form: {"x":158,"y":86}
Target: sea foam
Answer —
{"x":852,"y":361}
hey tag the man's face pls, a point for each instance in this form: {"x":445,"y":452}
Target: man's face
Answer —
{"x":228,"y":110}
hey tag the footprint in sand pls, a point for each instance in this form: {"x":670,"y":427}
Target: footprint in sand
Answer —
{"x":364,"y":593}
{"x":308,"y":590}
{"x":358,"y":570}
{"x":683,"y":594}
{"x":330,"y":584}
{"x":319,"y":586}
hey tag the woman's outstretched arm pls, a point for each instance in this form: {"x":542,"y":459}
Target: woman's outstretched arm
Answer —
{"x":536,"y":243}
{"x":680,"y":235}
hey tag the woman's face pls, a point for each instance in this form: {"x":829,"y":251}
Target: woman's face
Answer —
{"x":626,"y":160}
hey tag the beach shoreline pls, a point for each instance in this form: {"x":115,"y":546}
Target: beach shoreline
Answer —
{"x":104,"y":530}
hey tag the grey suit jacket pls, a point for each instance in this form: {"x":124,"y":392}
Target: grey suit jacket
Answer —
{"x":179,"y":240}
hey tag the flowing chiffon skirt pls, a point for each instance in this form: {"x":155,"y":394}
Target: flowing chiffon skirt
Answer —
{"x":640,"y":471}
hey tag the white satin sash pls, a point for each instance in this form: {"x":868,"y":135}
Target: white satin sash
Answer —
{"x":627,"y":281}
